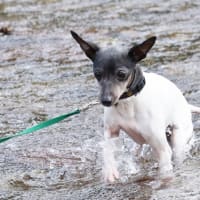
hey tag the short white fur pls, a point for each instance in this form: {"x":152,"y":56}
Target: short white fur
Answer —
{"x":145,"y":117}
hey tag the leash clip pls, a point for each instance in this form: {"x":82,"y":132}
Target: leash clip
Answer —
{"x":87,"y":106}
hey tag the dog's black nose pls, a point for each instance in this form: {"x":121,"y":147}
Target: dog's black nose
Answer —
{"x":106,"y":102}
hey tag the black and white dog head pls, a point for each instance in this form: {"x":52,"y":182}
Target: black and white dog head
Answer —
{"x":114,"y":70}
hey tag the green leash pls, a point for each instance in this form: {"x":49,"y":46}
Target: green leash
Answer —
{"x":47,"y":123}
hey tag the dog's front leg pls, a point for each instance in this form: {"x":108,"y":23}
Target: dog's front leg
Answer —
{"x":110,"y":165}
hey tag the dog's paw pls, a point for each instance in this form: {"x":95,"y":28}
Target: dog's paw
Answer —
{"x":111,"y":175}
{"x":166,"y":172}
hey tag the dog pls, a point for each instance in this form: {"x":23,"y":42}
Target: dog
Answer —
{"x":141,"y":104}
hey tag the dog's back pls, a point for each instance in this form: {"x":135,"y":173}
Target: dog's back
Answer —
{"x":162,"y":97}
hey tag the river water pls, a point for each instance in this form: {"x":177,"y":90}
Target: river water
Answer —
{"x":43,"y":73}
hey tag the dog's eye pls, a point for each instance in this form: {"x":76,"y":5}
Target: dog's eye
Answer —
{"x":121,"y":75}
{"x":98,"y":75}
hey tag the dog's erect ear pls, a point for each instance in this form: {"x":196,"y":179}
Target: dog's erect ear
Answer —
{"x":89,"y":48}
{"x":139,"y":52}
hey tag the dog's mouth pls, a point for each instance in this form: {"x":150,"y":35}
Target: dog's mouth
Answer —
{"x":134,"y":86}
{"x":106,"y":103}
{"x":109,"y":101}
{"x":129,"y":93}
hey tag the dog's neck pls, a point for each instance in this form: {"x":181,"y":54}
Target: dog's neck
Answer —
{"x":134,"y":87}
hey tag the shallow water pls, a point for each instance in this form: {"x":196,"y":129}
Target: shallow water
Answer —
{"x":43,"y":73}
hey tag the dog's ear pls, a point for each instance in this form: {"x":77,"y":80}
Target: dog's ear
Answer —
{"x":89,"y":48}
{"x":139,"y":52}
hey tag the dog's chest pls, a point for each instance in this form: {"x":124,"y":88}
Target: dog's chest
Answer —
{"x":127,"y":119}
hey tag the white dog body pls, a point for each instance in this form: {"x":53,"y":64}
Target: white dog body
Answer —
{"x":145,"y":117}
{"x":158,"y":104}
